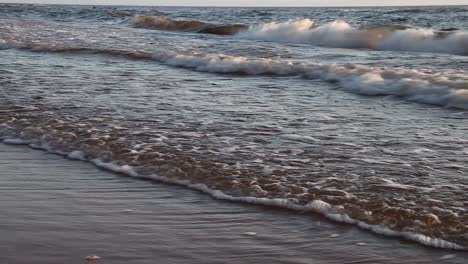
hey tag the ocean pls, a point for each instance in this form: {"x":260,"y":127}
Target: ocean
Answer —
{"x":355,"y":114}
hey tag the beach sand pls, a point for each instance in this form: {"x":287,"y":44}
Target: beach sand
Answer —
{"x":55,"y":210}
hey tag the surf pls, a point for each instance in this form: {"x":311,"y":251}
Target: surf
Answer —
{"x":336,"y":34}
{"x":446,"y":89}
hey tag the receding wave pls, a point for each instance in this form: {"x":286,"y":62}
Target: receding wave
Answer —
{"x":109,"y":149}
{"x":164,"y":23}
{"x":448,"y":89}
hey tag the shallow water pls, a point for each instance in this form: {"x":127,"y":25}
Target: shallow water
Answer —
{"x":59,"y":211}
{"x":373,"y":135}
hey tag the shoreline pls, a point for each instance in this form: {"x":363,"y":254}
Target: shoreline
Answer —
{"x":345,"y":238}
{"x":317,"y":208}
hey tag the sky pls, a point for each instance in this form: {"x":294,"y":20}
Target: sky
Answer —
{"x":248,"y":2}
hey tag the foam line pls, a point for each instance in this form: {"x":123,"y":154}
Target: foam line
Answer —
{"x":316,"y":206}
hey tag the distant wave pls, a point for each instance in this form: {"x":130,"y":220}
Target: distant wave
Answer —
{"x":414,"y":10}
{"x":336,"y":34}
{"x":163,"y":23}
{"x":406,"y":11}
{"x":340,"y":34}
{"x":448,"y":89}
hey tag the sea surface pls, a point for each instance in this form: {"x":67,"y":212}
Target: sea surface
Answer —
{"x":355,"y":114}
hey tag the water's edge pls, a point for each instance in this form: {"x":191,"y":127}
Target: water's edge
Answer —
{"x":317,"y":206}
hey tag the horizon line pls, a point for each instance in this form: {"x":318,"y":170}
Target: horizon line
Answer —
{"x":140,"y":5}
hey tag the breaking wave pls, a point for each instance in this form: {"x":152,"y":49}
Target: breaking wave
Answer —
{"x":340,"y":34}
{"x":336,"y":34}
{"x":448,"y":89}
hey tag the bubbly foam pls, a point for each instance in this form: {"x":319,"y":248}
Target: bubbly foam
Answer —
{"x":317,"y":206}
{"x":114,"y":148}
{"x":76,"y":155}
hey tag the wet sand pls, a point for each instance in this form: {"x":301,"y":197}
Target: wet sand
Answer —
{"x":54,"y":210}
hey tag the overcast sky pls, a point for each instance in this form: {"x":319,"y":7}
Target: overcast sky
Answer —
{"x":249,"y":2}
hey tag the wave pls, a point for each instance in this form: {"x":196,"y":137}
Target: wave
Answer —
{"x":340,"y":34}
{"x":164,"y":23}
{"x":331,"y":212}
{"x":436,"y":89}
{"x":405,"y":11}
{"x":427,"y":10}
{"x":448,"y":89}
{"x":336,"y":34}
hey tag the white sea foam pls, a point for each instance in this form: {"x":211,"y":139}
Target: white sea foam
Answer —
{"x":124,"y":169}
{"x":15,"y":141}
{"x":340,"y":34}
{"x":425,"y":40}
{"x":6,"y":131}
{"x":316,"y":206}
{"x":76,"y":155}
{"x":337,"y":34}
{"x":442,"y":88}
{"x":391,"y":184}
{"x":448,"y":256}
